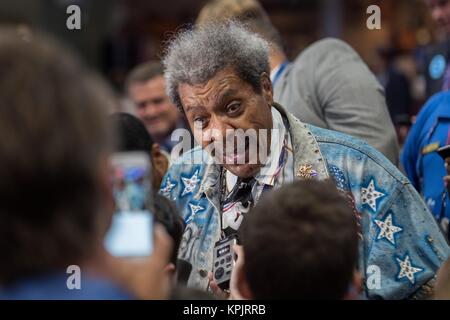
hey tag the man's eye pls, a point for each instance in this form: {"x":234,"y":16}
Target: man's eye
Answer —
{"x":233,"y":108}
{"x":158,"y":101}
{"x":142,"y":105}
{"x":199,"y":123}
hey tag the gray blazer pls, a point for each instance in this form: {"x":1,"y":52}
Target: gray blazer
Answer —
{"x":329,"y":86}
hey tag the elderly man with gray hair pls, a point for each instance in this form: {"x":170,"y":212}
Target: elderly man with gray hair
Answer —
{"x":327,"y":85}
{"x":218,"y":75}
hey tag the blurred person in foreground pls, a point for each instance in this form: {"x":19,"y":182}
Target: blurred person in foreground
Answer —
{"x":328,"y":85}
{"x":56,"y":196}
{"x":296,"y":243}
{"x":226,"y":90}
{"x":423,"y":165}
{"x":133,"y":136}
{"x":145,"y":86}
{"x":442,"y":291}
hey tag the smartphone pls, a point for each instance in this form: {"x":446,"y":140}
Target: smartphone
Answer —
{"x":444,"y":152}
{"x":131,"y":231}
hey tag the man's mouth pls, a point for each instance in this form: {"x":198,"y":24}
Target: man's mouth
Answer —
{"x":153,"y":121}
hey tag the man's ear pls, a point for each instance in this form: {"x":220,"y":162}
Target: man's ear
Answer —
{"x":355,"y":287}
{"x":266,"y":87}
{"x":170,"y":269}
{"x":160,"y":165}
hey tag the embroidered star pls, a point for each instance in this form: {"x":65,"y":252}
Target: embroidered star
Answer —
{"x":370,"y":195}
{"x":407,"y":269}
{"x":169,"y":186}
{"x":387,"y":229}
{"x":194,"y":209}
{"x":190,"y":184}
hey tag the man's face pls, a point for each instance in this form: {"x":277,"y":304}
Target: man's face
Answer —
{"x":222,"y":105}
{"x":440,"y":11}
{"x":154,"y":108}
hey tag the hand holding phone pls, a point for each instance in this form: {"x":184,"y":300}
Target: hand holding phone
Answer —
{"x":146,"y":277}
{"x":131,"y":231}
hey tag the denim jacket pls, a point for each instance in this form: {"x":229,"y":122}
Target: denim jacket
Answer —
{"x":401,"y":246}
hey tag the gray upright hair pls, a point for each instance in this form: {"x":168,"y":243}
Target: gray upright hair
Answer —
{"x":195,"y":56}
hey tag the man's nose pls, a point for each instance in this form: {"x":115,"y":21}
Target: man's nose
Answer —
{"x":218,"y":129}
{"x":151,"y":109}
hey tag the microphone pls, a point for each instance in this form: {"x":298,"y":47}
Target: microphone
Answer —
{"x":184,"y":269}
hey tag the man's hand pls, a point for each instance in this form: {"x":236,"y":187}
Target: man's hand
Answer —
{"x":146,"y":278}
{"x":238,"y":268}
{"x":233,"y":294}
{"x":216,"y":290}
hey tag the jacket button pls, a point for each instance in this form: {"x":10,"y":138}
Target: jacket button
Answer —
{"x":203,"y":273}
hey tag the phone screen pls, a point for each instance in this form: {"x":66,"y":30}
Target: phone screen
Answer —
{"x":130,"y":234}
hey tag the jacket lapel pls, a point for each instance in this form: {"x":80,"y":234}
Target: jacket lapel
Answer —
{"x":309,"y":162}
{"x":210,"y":186}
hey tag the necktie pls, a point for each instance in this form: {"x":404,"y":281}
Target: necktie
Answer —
{"x":237,"y":204}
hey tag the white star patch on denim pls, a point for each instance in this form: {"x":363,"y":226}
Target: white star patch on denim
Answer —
{"x":168,"y":188}
{"x":407,"y":270}
{"x":194,"y":209}
{"x":370,"y":195}
{"x":190,"y":184}
{"x":387,"y":229}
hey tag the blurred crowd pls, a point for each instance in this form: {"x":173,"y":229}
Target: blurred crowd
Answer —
{"x":342,"y":193}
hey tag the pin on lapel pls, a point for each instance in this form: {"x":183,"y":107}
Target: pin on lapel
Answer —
{"x":306,"y":172}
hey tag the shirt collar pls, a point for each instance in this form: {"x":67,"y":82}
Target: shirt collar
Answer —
{"x":267,"y":172}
